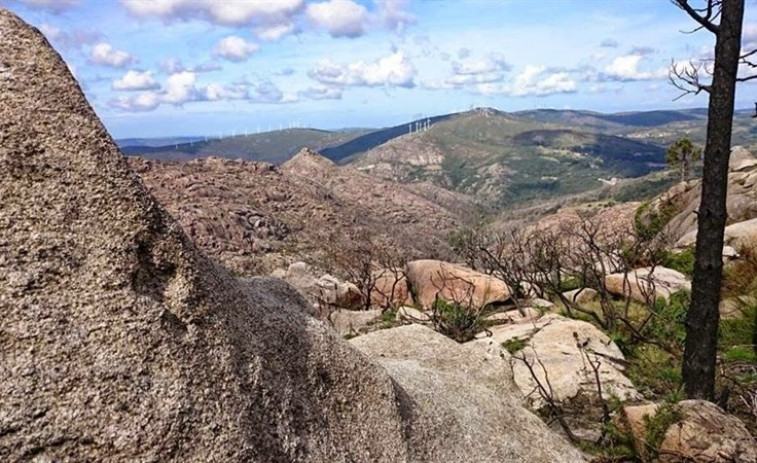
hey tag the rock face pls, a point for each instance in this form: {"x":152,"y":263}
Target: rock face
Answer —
{"x":741,"y":200}
{"x":554,"y":340}
{"x":705,"y":434}
{"x":646,"y":283}
{"x":453,"y":283}
{"x":121,"y":342}
{"x":352,"y":323}
{"x":326,"y":290}
{"x":467,"y":406}
{"x":735,"y":236}
{"x":252,"y":217}
{"x":391,"y":288}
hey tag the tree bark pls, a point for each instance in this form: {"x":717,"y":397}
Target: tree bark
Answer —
{"x":703,"y":316}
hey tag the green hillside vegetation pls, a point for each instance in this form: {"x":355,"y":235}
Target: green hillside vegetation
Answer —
{"x":275,"y":147}
{"x":505,"y":159}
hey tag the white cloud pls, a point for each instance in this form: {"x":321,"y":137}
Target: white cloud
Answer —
{"x":494,"y":63}
{"x":72,"y":38}
{"x":393,"y":14}
{"x":235,"y":48}
{"x":626,"y":68}
{"x":273,"y":19}
{"x":275,"y":32}
{"x":174,"y":66}
{"x":146,"y":101}
{"x":136,"y":80}
{"x":341,"y":18}
{"x":53,"y":6}
{"x":104,"y":54}
{"x":531,"y":82}
{"x":322,"y":93}
{"x":180,"y":88}
{"x":225,"y":13}
{"x":472,"y":73}
{"x":749,"y":36}
{"x":391,"y":70}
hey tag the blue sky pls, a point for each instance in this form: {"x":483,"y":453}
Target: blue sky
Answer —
{"x":209,"y":67}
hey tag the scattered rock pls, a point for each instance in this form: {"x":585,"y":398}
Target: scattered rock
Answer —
{"x":409,"y":314}
{"x":555,"y":340}
{"x":646,"y":282}
{"x":581,"y":296}
{"x":741,"y":159}
{"x":513,"y":316}
{"x":327,"y":289}
{"x":539,"y":303}
{"x":353,"y":322}
{"x":705,"y":434}
{"x":452,"y":282}
{"x":392,"y":288}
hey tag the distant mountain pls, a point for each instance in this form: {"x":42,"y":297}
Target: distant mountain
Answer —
{"x":343,"y":152}
{"x":154,"y":142}
{"x":274,"y":147}
{"x":508,"y":158}
{"x":608,"y":122}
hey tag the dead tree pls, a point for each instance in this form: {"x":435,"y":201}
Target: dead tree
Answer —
{"x":722,"y":18}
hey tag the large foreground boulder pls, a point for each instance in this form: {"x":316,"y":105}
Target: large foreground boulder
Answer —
{"x":121,"y":342}
{"x":467,"y":407}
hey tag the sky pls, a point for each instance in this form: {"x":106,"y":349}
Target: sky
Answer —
{"x":154,"y":68}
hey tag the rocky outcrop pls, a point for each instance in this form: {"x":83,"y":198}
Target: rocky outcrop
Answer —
{"x":391,"y":288}
{"x":703,"y":433}
{"x":564,"y":347}
{"x":467,"y":408}
{"x":741,"y":201}
{"x":326,"y":292}
{"x":735,"y":236}
{"x":353,"y":323}
{"x":253,"y":217}
{"x":121,"y":342}
{"x":581,"y":295}
{"x":454,"y":283}
{"x":647,"y":283}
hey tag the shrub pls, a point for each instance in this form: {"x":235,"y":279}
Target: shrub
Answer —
{"x":681,"y":261}
{"x":514,"y":345}
{"x":455,"y":320}
{"x":648,"y":223}
{"x":738,"y":336}
{"x":668,"y":414}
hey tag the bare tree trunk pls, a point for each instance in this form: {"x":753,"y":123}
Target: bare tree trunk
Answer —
{"x":703,"y":317}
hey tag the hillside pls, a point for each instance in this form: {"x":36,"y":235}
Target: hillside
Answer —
{"x":254,"y":217}
{"x":505,"y":159}
{"x":274,"y":147}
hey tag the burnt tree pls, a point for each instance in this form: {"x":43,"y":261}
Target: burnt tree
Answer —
{"x":723,"y":18}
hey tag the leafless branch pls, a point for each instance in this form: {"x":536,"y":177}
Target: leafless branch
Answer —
{"x":687,"y":79}
{"x":704,"y":16}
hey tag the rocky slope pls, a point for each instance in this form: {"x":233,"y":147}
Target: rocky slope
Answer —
{"x":253,"y":217}
{"x":122,"y":342}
